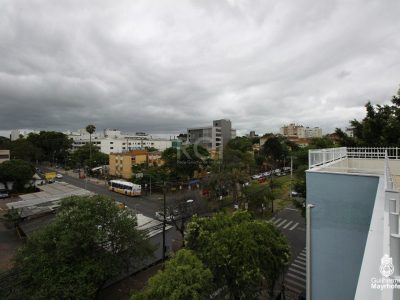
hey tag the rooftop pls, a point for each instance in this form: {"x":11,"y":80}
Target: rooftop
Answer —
{"x":383,"y":235}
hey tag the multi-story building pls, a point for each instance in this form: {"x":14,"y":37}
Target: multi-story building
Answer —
{"x":114,"y":141}
{"x":120,"y":164}
{"x":214,"y":137}
{"x":4,"y":155}
{"x":18,"y":133}
{"x":301,"y":132}
{"x":353,"y":237}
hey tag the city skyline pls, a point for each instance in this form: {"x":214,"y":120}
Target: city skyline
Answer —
{"x":162,"y":67}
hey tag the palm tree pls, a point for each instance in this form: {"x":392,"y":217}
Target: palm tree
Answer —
{"x":90,"y":129}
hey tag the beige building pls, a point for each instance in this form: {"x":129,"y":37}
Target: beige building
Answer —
{"x":301,"y":132}
{"x":4,"y":155}
{"x":121,"y":163}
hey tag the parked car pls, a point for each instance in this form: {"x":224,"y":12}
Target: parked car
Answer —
{"x":4,"y":194}
{"x":59,"y":176}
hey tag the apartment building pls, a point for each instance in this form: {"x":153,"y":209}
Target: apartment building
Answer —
{"x":301,"y":132}
{"x":214,"y":137}
{"x":113,"y":141}
{"x":353,"y":238}
{"x":120,"y":164}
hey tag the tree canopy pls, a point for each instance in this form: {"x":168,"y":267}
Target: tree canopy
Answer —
{"x":53,"y":145}
{"x":17,"y":171}
{"x":184,"y":277}
{"x":81,"y":156}
{"x":90,"y":241}
{"x":240,"y":251}
{"x":183,"y":162}
{"x":379,"y":128}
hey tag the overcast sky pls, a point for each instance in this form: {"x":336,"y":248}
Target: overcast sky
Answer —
{"x":162,"y":66}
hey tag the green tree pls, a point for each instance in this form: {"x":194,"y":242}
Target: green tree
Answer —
{"x":25,"y":150}
{"x":90,"y":241}
{"x":53,"y":145}
{"x":183,"y":162}
{"x":379,"y":128}
{"x":184,"y":277}
{"x":241,"y":252}
{"x":243,"y":144}
{"x":18,"y":171}
{"x":90,"y":129}
{"x":82,"y":156}
{"x":258,"y":196}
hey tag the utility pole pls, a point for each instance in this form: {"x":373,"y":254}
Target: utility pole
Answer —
{"x":164,"y":223}
{"x":291,"y":175}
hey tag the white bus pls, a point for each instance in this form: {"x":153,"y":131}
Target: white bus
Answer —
{"x":125,"y":187}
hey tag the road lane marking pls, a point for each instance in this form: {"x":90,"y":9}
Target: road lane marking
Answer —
{"x":272,"y":219}
{"x":296,"y":277}
{"x":276,"y":221}
{"x":287,"y":225}
{"x":294,"y":226}
{"x":281,"y":223}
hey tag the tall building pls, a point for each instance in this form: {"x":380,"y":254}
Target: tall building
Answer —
{"x":353,"y":237}
{"x":214,"y":137}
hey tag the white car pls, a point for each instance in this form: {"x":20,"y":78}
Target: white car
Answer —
{"x":59,"y":176}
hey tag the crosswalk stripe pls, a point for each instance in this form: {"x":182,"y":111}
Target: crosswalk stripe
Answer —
{"x":302,"y":255}
{"x":291,"y":288}
{"x":301,"y":258}
{"x":301,"y":285}
{"x":297,"y":272}
{"x":277,"y":220}
{"x":281,"y":223}
{"x":288,"y":224}
{"x":297,"y":277}
{"x":300,"y":262}
{"x":294,"y":226}
{"x":298,"y":266}
{"x":272,"y":219}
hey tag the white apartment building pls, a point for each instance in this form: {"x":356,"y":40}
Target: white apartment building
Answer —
{"x":17,"y":133}
{"x":113,"y":141}
{"x":4,"y":155}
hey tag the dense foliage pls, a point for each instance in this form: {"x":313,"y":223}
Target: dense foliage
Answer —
{"x":241,"y":252}
{"x":379,"y":128}
{"x":184,"y":277}
{"x":183,"y":162}
{"x":18,"y":171}
{"x":90,"y":241}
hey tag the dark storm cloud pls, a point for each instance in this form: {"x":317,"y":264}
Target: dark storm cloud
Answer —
{"x":163,"y":66}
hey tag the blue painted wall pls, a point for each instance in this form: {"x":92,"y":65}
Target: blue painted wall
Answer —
{"x":339,"y":230}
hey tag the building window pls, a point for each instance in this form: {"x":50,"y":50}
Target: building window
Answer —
{"x":111,"y":142}
{"x":111,"y":148}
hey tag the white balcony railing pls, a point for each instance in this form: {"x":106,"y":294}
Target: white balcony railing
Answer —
{"x":321,"y":157}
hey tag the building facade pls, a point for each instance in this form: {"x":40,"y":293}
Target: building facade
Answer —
{"x":120,"y":164}
{"x":113,"y":141}
{"x":214,"y":137}
{"x":301,"y":132}
{"x":4,"y":155}
{"x":353,"y":238}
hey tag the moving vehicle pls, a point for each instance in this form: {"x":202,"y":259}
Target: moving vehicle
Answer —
{"x":125,"y":187}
